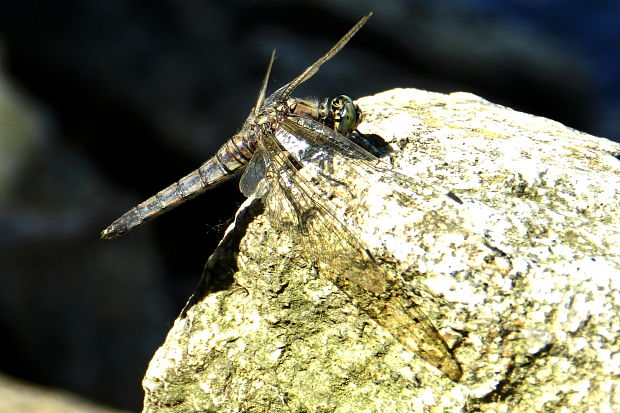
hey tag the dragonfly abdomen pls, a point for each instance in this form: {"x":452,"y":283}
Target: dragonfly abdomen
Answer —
{"x":233,"y":155}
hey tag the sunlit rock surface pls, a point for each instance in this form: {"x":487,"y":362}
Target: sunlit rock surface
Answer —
{"x":521,"y":280}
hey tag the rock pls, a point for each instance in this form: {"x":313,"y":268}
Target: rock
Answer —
{"x":21,"y":128}
{"x":19,"y":397}
{"x":520,"y":280}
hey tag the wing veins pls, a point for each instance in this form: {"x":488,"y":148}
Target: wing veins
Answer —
{"x":311,"y":70}
{"x":344,"y":260}
{"x":360,"y":162}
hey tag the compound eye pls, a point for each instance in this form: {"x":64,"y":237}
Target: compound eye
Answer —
{"x":346,"y":114}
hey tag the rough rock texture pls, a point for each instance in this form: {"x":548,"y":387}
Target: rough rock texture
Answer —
{"x":521,"y":280}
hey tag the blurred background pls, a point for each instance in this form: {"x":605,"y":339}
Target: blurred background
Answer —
{"x":103,"y":103}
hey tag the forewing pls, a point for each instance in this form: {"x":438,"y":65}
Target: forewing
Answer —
{"x":311,"y":142}
{"x":295,"y":203}
{"x":286,"y":90}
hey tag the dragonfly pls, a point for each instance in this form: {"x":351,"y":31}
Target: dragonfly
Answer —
{"x":281,"y":138}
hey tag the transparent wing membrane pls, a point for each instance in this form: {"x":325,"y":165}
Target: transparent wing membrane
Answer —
{"x":297,"y":204}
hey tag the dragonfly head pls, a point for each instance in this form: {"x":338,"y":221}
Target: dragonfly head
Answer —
{"x":346,"y":114}
{"x":339,"y":113}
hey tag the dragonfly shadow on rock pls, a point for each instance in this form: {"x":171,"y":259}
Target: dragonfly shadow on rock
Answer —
{"x":373,"y":143}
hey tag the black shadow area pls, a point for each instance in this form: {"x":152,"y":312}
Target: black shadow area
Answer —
{"x":218,"y":274}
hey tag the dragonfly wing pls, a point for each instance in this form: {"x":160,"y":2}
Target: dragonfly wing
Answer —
{"x":311,"y":141}
{"x":295,"y":203}
{"x":252,"y":180}
{"x":286,"y":90}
